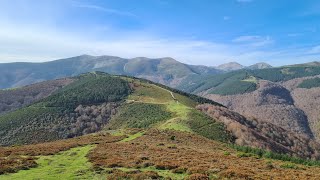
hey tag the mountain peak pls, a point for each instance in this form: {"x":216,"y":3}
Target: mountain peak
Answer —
{"x":231,"y":66}
{"x":260,"y":65}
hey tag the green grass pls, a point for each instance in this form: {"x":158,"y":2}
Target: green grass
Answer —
{"x":150,"y":93}
{"x":132,"y":137}
{"x":251,"y":79}
{"x":289,"y":166}
{"x":178,"y":123}
{"x":71,"y":164}
{"x":191,"y":120}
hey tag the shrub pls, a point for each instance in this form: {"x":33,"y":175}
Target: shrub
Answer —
{"x":245,"y":151}
{"x":226,"y":153}
{"x":289,"y":166}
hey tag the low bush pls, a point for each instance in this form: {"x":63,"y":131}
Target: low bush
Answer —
{"x":246,"y":151}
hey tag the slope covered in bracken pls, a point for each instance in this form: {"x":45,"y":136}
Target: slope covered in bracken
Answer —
{"x":152,"y":154}
{"x":102,"y":126}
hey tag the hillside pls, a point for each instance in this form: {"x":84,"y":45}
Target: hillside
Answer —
{"x":120,"y":126}
{"x":12,"y":99}
{"x":89,"y":102}
{"x":287,"y":96}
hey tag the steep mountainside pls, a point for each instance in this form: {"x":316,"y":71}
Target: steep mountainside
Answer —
{"x":287,"y":97}
{"x":276,"y":104}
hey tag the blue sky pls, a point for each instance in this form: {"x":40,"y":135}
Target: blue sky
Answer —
{"x":208,"y":32}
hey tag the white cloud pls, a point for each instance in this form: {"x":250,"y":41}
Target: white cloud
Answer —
{"x":36,"y":45}
{"x":254,"y":40}
{"x":315,"y":50}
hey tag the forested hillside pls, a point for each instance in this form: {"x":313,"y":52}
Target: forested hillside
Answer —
{"x":120,"y":126}
{"x":79,"y":108}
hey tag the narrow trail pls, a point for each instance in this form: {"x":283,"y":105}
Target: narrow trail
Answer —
{"x":172,"y":95}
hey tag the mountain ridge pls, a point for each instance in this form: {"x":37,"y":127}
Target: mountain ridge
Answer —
{"x":164,"y":70}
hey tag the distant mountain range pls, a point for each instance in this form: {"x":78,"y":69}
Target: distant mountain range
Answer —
{"x":163,"y":70}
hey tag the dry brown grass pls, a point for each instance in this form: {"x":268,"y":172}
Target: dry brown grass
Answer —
{"x":136,"y":175}
{"x":191,"y":154}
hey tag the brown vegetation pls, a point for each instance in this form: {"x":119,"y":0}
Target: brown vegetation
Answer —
{"x":270,"y":103}
{"x":263,"y":135}
{"x":194,"y":155}
{"x":16,"y":158}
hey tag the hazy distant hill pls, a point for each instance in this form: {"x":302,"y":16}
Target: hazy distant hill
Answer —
{"x":231,"y":66}
{"x":261,"y":65}
{"x":163,"y":70}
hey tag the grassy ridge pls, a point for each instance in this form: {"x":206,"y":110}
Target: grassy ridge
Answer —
{"x":153,"y":106}
{"x":195,"y":98}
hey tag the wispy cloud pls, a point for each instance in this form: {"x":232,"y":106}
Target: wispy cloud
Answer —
{"x":315,"y":50}
{"x":103,"y":9}
{"x":254,"y":40}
